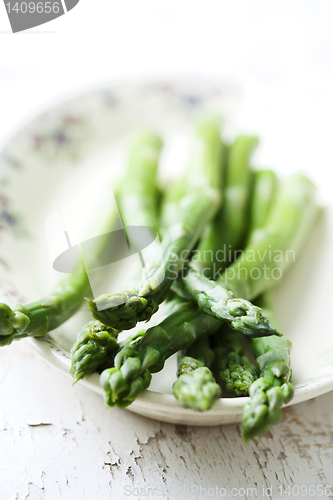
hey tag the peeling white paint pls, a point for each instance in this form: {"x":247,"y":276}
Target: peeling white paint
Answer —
{"x":61,"y":442}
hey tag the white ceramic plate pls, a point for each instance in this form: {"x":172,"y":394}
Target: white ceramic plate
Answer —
{"x":80,"y":144}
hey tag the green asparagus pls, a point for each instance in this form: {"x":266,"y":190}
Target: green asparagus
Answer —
{"x":133,"y":365}
{"x":219,"y":302}
{"x":38,"y":318}
{"x":94,"y":344}
{"x":206,"y":158}
{"x":205,"y":167}
{"x":264,"y":190}
{"x":124,"y":309}
{"x":137,"y":198}
{"x":273,"y":388}
{"x":292,"y":216}
{"x":226,"y":234}
{"x":196,"y":389}
{"x":138,"y":193}
{"x":195,"y":386}
{"x":208,"y":168}
{"x":272,"y":249}
{"x":232,"y":364}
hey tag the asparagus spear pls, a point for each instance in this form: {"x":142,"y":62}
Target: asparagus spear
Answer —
{"x":208,"y":169}
{"x":273,"y":388}
{"x":205,"y":167}
{"x":172,"y":195}
{"x":133,"y":365}
{"x":137,"y":196}
{"x":38,"y":318}
{"x":124,"y":309}
{"x":207,"y":149}
{"x":186,"y":211}
{"x":94,"y":344}
{"x":234,"y":367}
{"x":286,"y":229}
{"x":232,"y":363}
{"x":206,"y":159}
{"x":130,"y":374}
{"x":226,"y":234}
{"x":196,"y":389}
{"x":264,"y":190}
{"x":195,"y":386}
{"x":219,"y":302}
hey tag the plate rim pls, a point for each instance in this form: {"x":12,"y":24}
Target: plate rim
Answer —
{"x":228,"y":410}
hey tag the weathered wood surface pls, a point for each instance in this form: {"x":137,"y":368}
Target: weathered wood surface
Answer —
{"x":61,"y":442}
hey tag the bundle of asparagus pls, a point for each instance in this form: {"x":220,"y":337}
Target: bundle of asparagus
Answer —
{"x":221,"y":207}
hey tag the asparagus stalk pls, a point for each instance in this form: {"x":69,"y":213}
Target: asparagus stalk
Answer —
{"x":124,"y":309}
{"x":172,"y":195}
{"x":273,"y":388}
{"x":232,"y":364}
{"x":94,"y":344}
{"x":284,"y":233}
{"x":133,"y":365}
{"x":219,"y":302}
{"x":226,"y":233}
{"x":205,"y":167}
{"x":206,"y":159}
{"x":286,"y":229}
{"x":137,"y":197}
{"x":208,"y":168}
{"x":130,"y":375}
{"x":198,"y":390}
{"x":264,"y":190}
{"x":195,"y":386}
{"x":38,"y":318}
{"x":186,"y":212}
{"x":234,"y":367}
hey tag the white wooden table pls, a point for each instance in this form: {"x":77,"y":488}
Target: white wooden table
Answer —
{"x":59,"y":441}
